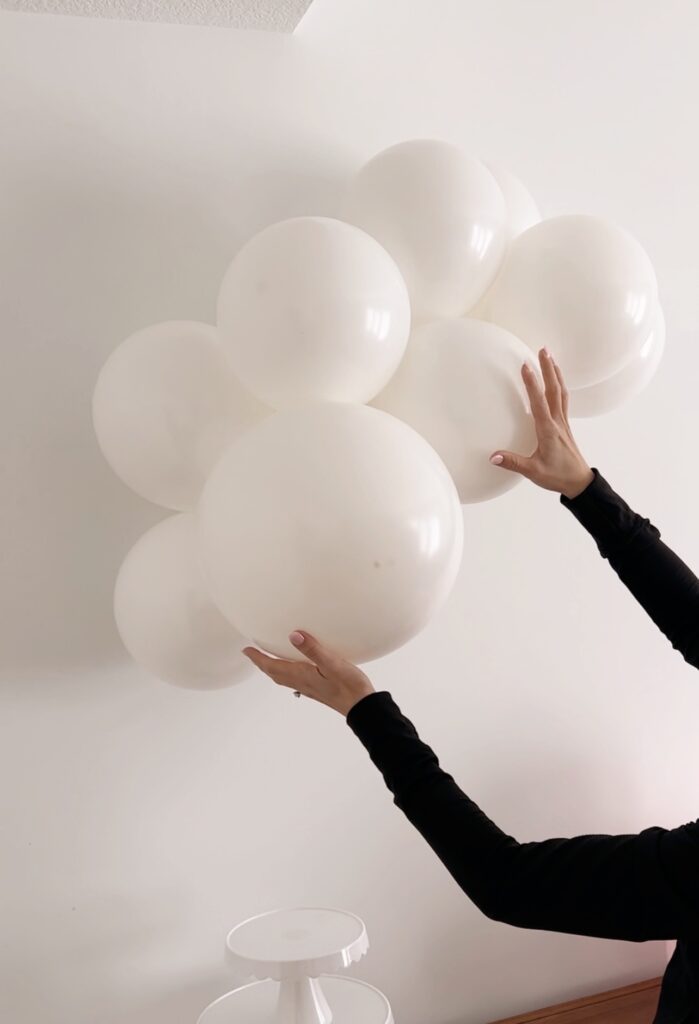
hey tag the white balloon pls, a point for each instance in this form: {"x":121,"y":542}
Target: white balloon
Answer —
{"x":481,"y":309}
{"x":584,"y":288}
{"x":165,"y":406}
{"x":313,"y":309}
{"x":521,"y":214}
{"x":460,"y":386}
{"x":165,"y":616}
{"x":609,"y":394}
{"x":334,"y":518}
{"x":521,"y":209}
{"x":441,"y":215}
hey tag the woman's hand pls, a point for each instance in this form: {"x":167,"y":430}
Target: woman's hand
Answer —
{"x":327,"y":677}
{"x":557,"y":464}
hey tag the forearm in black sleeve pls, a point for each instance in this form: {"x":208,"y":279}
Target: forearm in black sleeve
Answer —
{"x":659,"y":580}
{"x":633,"y":887}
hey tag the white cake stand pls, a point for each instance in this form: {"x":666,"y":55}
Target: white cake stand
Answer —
{"x":294,"y":947}
{"x":350,"y":1002}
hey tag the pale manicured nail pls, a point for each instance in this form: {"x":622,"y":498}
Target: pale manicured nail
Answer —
{"x":296,"y":638}
{"x":496,"y":459}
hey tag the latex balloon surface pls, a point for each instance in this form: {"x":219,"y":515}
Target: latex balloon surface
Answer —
{"x":337,"y":519}
{"x":521,"y":213}
{"x":313,"y":309}
{"x":584,"y":288}
{"x":460,"y":386}
{"x":441,"y":215}
{"x":165,"y":615}
{"x":626,"y":383}
{"x":165,"y":406}
{"x":521,"y":209}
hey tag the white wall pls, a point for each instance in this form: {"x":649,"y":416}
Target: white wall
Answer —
{"x":140,"y":822}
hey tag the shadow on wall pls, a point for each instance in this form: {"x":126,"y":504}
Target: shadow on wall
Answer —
{"x":91,"y":261}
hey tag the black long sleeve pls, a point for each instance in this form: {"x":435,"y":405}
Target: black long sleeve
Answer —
{"x":657,"y":578}
{"x":636,"y":886}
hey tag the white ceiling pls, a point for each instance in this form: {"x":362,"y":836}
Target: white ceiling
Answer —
{"x":271,"y":15}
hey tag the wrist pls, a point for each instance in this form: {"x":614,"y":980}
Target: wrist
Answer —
{"x":574,"y":487}
{"x":346,"y":706}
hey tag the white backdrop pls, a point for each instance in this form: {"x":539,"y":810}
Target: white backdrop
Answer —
{"x":140,"y":822}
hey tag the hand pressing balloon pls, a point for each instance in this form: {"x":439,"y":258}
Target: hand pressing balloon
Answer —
{"x":459,"y":386}
{"x":324,"y":676}
{"x":557,"y":464}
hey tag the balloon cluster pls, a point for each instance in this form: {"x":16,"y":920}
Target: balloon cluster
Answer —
{"x":318,"y":443}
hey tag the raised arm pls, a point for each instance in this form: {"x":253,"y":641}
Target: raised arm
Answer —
{"x":658,"y":579}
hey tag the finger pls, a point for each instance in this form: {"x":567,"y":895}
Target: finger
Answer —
{"x":551,"y":384}
{"x":565,"y":397}
{"x":515,"y":463}
{"x":286,"y":673}
{"x":537,"y":400}
{"x":314,"y":650}
{"x":263,"y":661}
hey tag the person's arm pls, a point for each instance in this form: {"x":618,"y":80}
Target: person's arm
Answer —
{"x":634,"y":887}
{"x":658,"y":579}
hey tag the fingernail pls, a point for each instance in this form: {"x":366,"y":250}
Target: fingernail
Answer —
{"x":496,"y":459}
{"x":546,"y":352}
{"x":296,"y":638}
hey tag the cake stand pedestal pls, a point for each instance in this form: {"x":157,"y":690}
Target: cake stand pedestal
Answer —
{"x":294,"y":948}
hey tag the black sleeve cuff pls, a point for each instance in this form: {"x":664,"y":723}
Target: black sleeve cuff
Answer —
{"x":605,"y":515}
{"x":368,"y":714}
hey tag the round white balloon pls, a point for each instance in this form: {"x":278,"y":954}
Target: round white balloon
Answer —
{"x":165,"y":406}
{"x":609,"y":394}
{"x":334,"y":518}
{"x":582,"y":287}
{"x":521,"y":209}
{"x":460,"y":386}
{"x":165,"y":616}
{"x":441,"y":215}
{"x":313,"y":309}
{"x":481,"y":310}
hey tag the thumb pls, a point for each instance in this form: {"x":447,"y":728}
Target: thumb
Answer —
{"x":515,"y":463}
{"x":313,"y":649}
